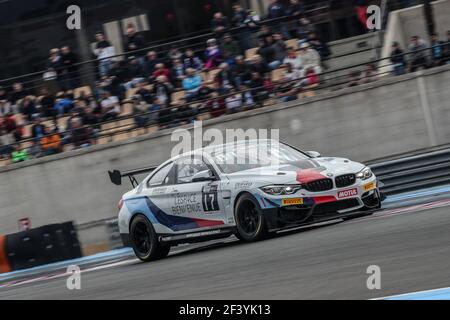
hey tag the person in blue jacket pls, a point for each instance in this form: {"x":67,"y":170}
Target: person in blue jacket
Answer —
{"x":191,"y":84}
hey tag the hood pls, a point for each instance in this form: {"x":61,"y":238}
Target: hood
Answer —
{"x":303,"y":171}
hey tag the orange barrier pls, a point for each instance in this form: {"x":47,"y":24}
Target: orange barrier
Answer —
{"x":4,"y":263}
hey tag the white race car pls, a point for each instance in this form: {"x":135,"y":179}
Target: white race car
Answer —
{"x":218,"y":191}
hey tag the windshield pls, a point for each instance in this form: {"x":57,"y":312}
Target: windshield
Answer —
{"x":231,"y":158}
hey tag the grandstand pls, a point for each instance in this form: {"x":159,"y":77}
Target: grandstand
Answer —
{"x":351,"y":62}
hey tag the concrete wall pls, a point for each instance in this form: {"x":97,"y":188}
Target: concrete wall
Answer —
{"x":370,"y":121}
{"x":404,"y":23}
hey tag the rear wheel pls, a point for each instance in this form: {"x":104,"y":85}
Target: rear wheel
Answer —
{"x":144,"y":240}
{"x":250,"y":222}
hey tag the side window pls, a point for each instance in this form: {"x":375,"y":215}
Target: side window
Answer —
{"x":187,"y":168}
{"x":162,"y":177}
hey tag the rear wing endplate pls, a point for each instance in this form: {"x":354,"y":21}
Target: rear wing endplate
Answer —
{"x":116,"y":175}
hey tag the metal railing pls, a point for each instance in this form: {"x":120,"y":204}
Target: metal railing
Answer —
{"x":190,"y":110}
{"x":414,"y":172}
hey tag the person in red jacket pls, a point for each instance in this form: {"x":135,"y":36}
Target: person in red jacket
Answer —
{"x":161,"y":70}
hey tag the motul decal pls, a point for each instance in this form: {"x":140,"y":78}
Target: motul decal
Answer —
{"x":348,"y":193}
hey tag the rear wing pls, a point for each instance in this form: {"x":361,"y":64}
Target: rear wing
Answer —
{"x":116,"y":175}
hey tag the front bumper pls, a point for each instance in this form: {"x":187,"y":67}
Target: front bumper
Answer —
{"x":281,"y":217}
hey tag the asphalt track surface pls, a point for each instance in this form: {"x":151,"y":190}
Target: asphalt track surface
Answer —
{"x":412,"y":249}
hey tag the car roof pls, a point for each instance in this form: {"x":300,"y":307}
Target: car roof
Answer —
{"x":212,"y":148}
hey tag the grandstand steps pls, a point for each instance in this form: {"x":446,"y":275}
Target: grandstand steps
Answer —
{"x":277,"y":74}
{"x":86,"y":89}
{"x":178,"y":96}
{"x":127,"y":109}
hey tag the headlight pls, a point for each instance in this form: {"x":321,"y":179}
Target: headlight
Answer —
{"x":281,"y":189}
{"x":364,"y":174}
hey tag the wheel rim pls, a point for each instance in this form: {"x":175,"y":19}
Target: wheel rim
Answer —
{"x":141,"y":238}
{"x":249,"y":218}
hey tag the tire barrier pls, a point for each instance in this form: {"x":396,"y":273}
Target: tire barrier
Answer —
{"x":39,"y":246}
{"x":4,"y":263}
{"x":414,"y":172}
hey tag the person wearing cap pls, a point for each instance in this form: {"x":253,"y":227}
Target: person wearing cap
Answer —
{"x":310,"y":58}
{"x":398,"y":59}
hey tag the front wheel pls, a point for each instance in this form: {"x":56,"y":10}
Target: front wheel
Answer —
{"x":250,"y":221}
{"x":144,"y":240}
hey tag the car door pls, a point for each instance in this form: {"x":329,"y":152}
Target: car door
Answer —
{"x":193,"y":197}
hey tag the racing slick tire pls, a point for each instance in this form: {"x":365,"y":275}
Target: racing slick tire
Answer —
{"x":144,"y":240}
{"x":250,"y":223}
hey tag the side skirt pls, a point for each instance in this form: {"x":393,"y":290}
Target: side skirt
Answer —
{"x":191,"y":237}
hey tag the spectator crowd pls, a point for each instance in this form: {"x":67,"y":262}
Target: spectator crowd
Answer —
{"x":176,"y":86}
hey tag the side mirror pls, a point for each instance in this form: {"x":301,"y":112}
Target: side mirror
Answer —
{"x":205,"y":175}
{"x":313,"y":154}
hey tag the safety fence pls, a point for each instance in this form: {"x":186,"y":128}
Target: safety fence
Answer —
{"x":414,"y":172}
{"x":182,"y":112}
